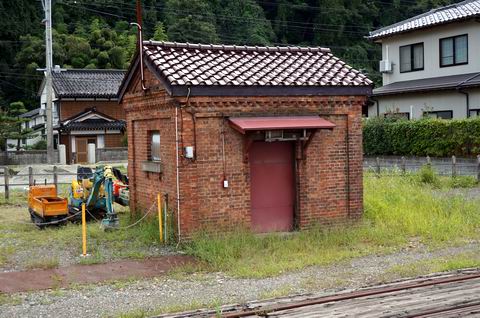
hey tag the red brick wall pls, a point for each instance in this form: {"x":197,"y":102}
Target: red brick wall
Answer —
{"x":146,"y":113}
{"x":325,"y":195}
{"x":110,"y":108}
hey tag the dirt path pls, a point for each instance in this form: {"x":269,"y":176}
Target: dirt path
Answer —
{"x":13,"y":282}
{"x":172,"y":293}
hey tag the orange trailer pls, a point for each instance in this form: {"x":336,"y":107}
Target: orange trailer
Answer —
{"x":45,"y":206}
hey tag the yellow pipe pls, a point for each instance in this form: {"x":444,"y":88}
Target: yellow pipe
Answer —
{"x":84,"y":231}
{"x":160,"y":227}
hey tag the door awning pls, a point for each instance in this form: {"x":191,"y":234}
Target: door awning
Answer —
{"x":245,"y":124}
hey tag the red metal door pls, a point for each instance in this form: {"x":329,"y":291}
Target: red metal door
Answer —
{"x":272,"y":186}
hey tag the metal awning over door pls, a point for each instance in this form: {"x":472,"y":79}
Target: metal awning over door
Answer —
{"x":245,"y":124}
{"x":250,"y":127}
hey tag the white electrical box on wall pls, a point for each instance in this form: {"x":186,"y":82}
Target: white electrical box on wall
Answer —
{"x":189,"y":152}
{"x":225,"y":183}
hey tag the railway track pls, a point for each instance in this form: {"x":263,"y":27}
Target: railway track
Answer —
{"x":451,"y":295}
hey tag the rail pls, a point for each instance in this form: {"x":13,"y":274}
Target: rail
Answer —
{"x":307,"y":305}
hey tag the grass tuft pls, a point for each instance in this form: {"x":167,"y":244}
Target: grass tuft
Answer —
{"x":43,"y":263}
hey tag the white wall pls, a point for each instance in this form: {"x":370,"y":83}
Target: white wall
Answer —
{"x":43,"y":102}
{"x":433,"y":101}
{"x":431,"y":39}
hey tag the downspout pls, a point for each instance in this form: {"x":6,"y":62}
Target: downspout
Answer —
{"x":378,"y":105}
{"x":177,"y":161}
{"x":467,"y":100}
{"x":194,"y":120}
{"x":347,"y":145}
{"x":177,"y":171}
{"x":467,"y":96}
{"x":140,"y":53}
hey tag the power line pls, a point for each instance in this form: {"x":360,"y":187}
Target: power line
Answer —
{"x":300,"y":25}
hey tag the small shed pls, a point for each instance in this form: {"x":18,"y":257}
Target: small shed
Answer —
{"x":265,"y":138}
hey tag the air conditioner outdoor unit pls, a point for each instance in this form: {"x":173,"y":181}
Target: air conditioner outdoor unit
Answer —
{"x":386,"y":66}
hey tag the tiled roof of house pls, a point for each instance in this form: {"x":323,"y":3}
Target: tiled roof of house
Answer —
{"x":31,"y":113}
{"x":87,"y":83}
{"x":451,"y":13}
{"x":183,"y":64}
{"x":95,"y":124}
{"x":429,"y":84}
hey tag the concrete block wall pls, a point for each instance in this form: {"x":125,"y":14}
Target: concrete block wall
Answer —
{"x":25,"y":157}
{"x":112,"y":154}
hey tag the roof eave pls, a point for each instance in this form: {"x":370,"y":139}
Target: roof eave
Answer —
{"x":376,"y":38}
{"x":423,"y":89}
{"x":178,"y":91}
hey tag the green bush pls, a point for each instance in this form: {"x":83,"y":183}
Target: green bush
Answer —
{"x":428,"y":175}
{"x":40,"y":145}
{"x":423,"y":137}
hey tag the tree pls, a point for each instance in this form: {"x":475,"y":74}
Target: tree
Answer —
{"x":17,"y":131}
{"x":190,"y":21}
{"x":160,"y":34}
{"x":243,"y":22}
{"x":11,"y":124}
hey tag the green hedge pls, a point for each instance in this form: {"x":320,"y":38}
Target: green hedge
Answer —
{"x":424,"y":137}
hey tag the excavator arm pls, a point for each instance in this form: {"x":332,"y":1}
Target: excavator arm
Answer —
{"x":103,"y":176}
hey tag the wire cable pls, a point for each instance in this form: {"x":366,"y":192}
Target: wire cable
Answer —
{"x":49,"y":223}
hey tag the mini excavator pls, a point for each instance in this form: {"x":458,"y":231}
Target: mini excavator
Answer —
{"x":99,"y":189}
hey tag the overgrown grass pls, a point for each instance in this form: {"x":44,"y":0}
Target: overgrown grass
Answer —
{"x":396,"y":209}
{"x":437,"y":265}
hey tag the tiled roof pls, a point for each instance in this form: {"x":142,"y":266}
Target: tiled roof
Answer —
{"x":87,"y":83}
{"x":183,"y":64}
{"x":451,"y":13}
{"x":94,"y":124}
{"x":31,"y":113}
{"x":429,"y":84}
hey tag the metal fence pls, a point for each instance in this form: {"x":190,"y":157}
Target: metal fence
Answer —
{"x":452,"y":167}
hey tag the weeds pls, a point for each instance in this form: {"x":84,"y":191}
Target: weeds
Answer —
{"x":180,"y":307}
{"x":437,"y":265}
{"x":428,"y":175}
{"x":9,"y":300}
{"x":43,"y":263}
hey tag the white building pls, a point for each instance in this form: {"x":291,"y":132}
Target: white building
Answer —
{"x":35,"y":120}
{"x":431,"y":64}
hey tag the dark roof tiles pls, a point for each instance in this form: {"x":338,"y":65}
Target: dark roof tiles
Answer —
{"x":429,"y":84}
{"x":87,"y":83}
{"x":220,"y":65}
{"x":451,"y":13}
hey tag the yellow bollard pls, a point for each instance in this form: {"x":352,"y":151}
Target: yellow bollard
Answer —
{"x":160,"y":227}
{"x":84,"y":231}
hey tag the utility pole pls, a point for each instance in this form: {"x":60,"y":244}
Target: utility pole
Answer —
{"x":47,"y":7}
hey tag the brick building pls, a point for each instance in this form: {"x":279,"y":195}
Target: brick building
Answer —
{"x":86,"y":110}
{"x":269,"y":138}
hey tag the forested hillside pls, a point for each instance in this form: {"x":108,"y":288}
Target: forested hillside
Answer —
{"x":96,"y":33}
